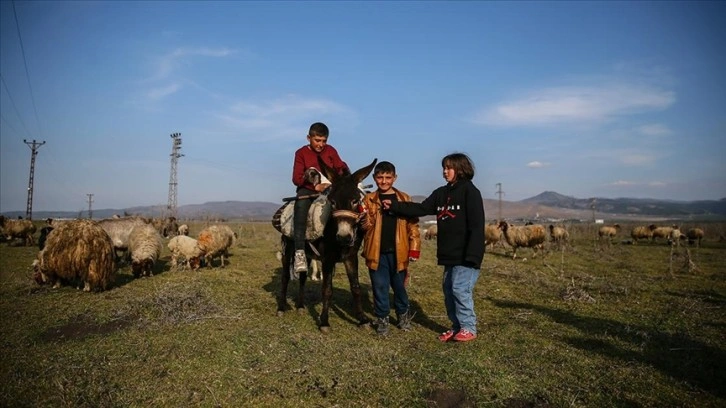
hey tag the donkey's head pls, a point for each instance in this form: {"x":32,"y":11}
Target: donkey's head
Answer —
{"x":344,"y":197}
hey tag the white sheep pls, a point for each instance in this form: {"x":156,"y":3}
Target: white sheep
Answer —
{"x":119,"y":229}
{"x":145,"y":249}
{"x":431,"y":232}
{"x":186,"y":248}
{"x":183,"y":229}
{"x":662,"y":232}
{"x":529,"y":236}
{"x":215,"y":240}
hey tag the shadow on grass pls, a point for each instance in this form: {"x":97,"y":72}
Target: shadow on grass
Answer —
{"x":342,"y":300}
{"x":674,"y":354}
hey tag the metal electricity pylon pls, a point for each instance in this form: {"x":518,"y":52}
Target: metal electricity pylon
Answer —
{"x":175,"y":155}
{"x":34,"y":152}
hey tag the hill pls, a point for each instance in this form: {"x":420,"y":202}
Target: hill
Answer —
{"x":547,"y":205}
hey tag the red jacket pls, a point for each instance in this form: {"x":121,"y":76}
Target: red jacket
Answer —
{"x":305,"y":157}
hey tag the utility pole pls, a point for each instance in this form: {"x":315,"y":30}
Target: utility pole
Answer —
{"x":500,"y":193}
{"x":90,"y":209}
{"x":175,"y":147}
{"x":34,"y":152}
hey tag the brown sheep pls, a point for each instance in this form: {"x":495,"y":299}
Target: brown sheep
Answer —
{"x":530,"y":236}
{"x":23,"y":229}
{"x":694,"y":235}
{"x":77,"y":250}
{"x":432,"y":232}
{"x":559,"y":235}
{"x":492,"y":234}
{"x":215,"y":240}
{"x":662,"y":232}
{"x":641,"y":232}
{"x":608,"y":231}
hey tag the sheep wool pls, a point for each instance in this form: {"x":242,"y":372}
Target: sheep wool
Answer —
{"x":145,"y":249}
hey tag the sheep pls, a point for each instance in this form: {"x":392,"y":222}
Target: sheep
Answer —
{"x":530,"y":236}
{"x":676,"y":236}
{"x":119,"y":229}
{"x":44,"y":232}
{"x":167,"y":227}
{"x":23,"y":229}
{"x":187,"y":248}
{"x":694,"y":235}
{"x":183,"y":230}
{"x":642,"y":232}
{"x":662,"y":232}
{"x":431,"y":232}
{"x":77,"y":250}
{"x":144,"y":248}
{"x":214,"y":241}
{"x":608,"y":231}
{"x":558,"y":235}
{"x":492,"y":235}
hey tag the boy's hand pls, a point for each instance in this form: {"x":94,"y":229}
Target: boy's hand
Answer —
{"x":321,"y":187}
{"x":413,"y":255}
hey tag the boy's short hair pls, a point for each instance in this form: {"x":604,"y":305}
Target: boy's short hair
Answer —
{"x":318,"y":129}
{"x":384,"y":167}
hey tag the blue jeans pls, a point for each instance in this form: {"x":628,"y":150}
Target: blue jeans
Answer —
{"x":458,"y":285}
{"x":381,"y":279}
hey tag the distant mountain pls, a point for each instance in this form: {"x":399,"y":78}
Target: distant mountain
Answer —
{"x":632,"y":206}
{"x":548,"y":204}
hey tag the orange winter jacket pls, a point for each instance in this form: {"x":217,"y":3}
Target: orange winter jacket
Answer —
{"x":408,"y":237}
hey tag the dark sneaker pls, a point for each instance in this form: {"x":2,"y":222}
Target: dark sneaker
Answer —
{"x":464,"y":335}
{"x":300,"y":264}
{"x":382,"y":326}
{"x":446,"y":336}
{"x":404,"y":320}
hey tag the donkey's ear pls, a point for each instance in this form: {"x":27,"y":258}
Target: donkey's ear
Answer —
{"x":327,"y":171}
{"x":361,"y":174}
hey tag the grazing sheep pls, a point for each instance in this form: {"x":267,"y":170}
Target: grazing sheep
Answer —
{"x":77,"y":250}
{"x":529,"y":236}
{"x":694,"y":235}
{"x":492,"y":235}
{"x":183,"y":230}
{"x":167,"y":227}
{"x":186,"y":248}
{"x":214,"y":241}
{"x":608,"y":231}
{"x":559,"y":235}
{"x":662,"y":232}
{"x":23,"y":229}
{"x":431,"y":232}
{"x":144,"y":248}
{"x":676,"y":236}
{"x":642,"y":232}
{"x":119,"y":229}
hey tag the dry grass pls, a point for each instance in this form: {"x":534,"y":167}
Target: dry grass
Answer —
{"x":589,"y":324}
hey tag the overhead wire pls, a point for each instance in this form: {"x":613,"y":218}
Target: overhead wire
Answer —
{"x":27,"y":73}
{"x":17,"y":112}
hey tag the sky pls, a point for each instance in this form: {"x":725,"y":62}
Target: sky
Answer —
{"x":588,"y":99}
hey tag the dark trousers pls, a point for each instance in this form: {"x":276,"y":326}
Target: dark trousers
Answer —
{"x":300,"y":217}
{"x":386,"y":276}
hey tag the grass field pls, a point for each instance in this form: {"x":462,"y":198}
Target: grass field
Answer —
{"x":592,"y":325}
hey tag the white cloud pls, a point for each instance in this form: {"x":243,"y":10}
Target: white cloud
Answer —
{"x":573,"y":104}
{"x":635,"y":159}
{"x":657,"y":184}
{"x":537,"y":165}
{"x":622,"y":183}
{"x":654,"y":129}
{"x":168,"y":63}
{"x":158,"y":93}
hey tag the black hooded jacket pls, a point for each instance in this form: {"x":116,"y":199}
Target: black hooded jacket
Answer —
{"x":459,"y":211}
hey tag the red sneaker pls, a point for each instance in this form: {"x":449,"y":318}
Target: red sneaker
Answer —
{"x":464,"y":335}
{"x":446,"y":336}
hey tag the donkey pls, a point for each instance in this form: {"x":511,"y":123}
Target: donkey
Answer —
{"x":341,"y":241}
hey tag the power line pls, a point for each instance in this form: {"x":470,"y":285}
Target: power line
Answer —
{"x":27,"y":132}
{"x":27,"y":73}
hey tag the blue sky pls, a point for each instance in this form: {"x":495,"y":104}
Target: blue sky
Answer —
{"x":588,"y":99}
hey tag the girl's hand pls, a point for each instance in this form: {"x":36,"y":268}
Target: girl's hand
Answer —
{"x":386,"y":204}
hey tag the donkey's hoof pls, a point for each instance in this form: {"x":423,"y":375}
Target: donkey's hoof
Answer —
{"x":325,"y":329}
{"x":280,"y":313}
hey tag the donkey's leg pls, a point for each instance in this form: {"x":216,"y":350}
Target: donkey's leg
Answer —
{"x":327,"y":294}
{"x":286,"y":259}
{"x":351,"y":268}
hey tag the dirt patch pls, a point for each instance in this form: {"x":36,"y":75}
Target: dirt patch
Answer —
{"x":448,"y":398}
{"x":81,"y":327}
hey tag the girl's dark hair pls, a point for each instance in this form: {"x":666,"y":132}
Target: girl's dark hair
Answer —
{"x":461,"y":163}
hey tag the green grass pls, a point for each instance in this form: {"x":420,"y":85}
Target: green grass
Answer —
{"x":595,"y":325}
